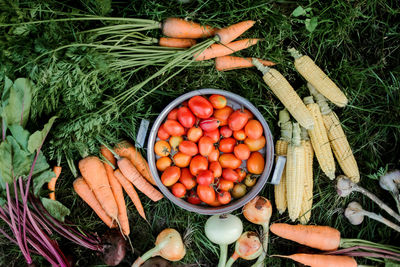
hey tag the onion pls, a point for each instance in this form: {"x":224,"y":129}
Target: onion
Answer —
{"x":247,"y":247}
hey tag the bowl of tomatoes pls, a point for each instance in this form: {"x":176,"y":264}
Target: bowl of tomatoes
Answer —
{"x":210,"y":151}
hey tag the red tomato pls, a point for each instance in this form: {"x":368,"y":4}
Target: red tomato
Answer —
{"x":242,"y":174}
{"x":214,"y":135}
{"x":242,"y":151}
{"x":206,"y":146}
{"x":178,"y":190}
{"x":214,"y":155}
{"x":186,"y":117}
{"x":225,"y":185}
{"x":189,"y":148}
{"x":228,"y":160}
{"x":198,"y":164}
{"x":230,"y":175}
{"x":162,"y":133}
{"x":187,"y":179}
{"x":218,"y":101}
{"x":193,"y":198}
{"x":194,"y":134}
{"x":248,"y":113}
{"x":181,"y":159}
{"x":174,"y":128}
{"x":163,"y":163}
{"x":173,"y":114}
{"x":226,"y":145}
{"x":223,"y":114}
{"x":224,"y":197}
{"x":237,"y":120}
{"x":216,"y":169}
{"x":215,"y":203}
{"x":253,"y":129}
{"x":225,"y":131}
{"x":255,"y":144}
{"x":209,"y":124}
{"x":201,"y":107}
{"x":255,"y":163}
{"x":239,"y":135}
{"x":206,"y":193}
{"x":170,"y":176}
{"x":205,"y":177}
{"x":184,"y":103}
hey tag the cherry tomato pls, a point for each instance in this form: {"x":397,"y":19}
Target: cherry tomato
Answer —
{"x":178,"y":190}
{"x":193,"y":198}
{"x":187,"y":179}
{"x":255,"y":144}
{"x":230,"y":175}
{"x":241,"y":151}
{"x":163,"y":163}
{"x":237,"y":120}
{"x":181,"y":159}
{"x":249,"y":114}
{"x":225,"y":131}
{"x":162,"y":148}
{"x":201,"y":107}
{"x":214,"y":155}
{"x":214,"y":135}
{"x":174,"y":141}
{"x":206,"y":193}
{"x":253,"y":129}
{"x":189,"y":148}
{"x":162,"y":133}
{"x":239,"y":190}
{"x":198,"y":164}
{"x":184,"y":103}
{"x":206,"y":145}
{"x":218,"y":101}
{"x":173,"y":128}
{"x":225,"y":185}
{"x":226,"y":145}
{"x":205,"y":177}
{"x":224,"y":197}
{"x":209,"y":124}
{"x":223,"y":114}
{"x":239,"y":135}
{"x":173,"y":114}
{"x":215,"y":203}
{"x":186,"y":117}
{"x":255,"y":163}
{"x":228,"y":160}
{"x":170,"y":176}
{"x":242,"y":174}
{"x":250,"y":180}
{"x":216,"y":169}
{"x":194,"y":134}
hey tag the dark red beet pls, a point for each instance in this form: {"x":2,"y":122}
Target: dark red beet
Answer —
{"x":157,"y":262}
{"x":114,"y":247}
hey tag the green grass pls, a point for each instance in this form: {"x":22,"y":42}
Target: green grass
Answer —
{"x":355,"y":42}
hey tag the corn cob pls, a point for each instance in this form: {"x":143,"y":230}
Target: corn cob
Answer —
{"x":295,"y":174}
{"x":286,"y":94}
{"x":339,"y":143}
{"x":281,"y":150}
{"x":314,"y":75}
{"x":320,"y":141}
{"x":306,"y":204}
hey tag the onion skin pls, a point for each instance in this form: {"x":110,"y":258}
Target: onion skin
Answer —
{"x":174,"y":250}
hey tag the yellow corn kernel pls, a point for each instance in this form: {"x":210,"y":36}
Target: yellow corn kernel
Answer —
{"x":307,"y":202}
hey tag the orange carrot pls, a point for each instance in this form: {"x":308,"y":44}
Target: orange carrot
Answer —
{"x":180,"y":28}
{"x":117,"y":190}
{"x":52,"y":184}
{"x":127,"y":150}
{"x":219,"y":50}
{"x":230,"y":63}
{"x":95,"y":175}
{"x":315,"y":260}
{"x":130,"y":190}
{"x":176,"y":42}
{"x":83,"y":190}
{"x":315,"y":236}
{"x":230,"y":33}
{"x":132,"y":174}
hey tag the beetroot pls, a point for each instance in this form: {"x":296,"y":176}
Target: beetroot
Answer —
{"x":114,"y":246}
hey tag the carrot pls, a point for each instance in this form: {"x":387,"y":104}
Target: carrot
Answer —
{"x":219,"y":50}
{"x":117,"y":190}
{"x":315,"y":260}
{"x":83,"y":190}
{"x":180,"y":28}
{"x":315,"y":236}
{"x":230,"y":33}
{"x":127,"y":150}
{"x":52,"y":184}
{"x":130,"y":190}
{"x":230,"y":63}
{"x":132,"y":174}
{"x":95,"y":175}
{"x":176,"y":42}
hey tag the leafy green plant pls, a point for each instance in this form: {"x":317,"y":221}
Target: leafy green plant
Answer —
{"x":311,"y":22}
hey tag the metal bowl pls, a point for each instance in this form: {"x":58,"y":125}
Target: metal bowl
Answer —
{"x":235,"y":101}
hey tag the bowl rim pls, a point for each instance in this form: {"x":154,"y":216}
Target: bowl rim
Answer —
{"x":208,"y":210}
